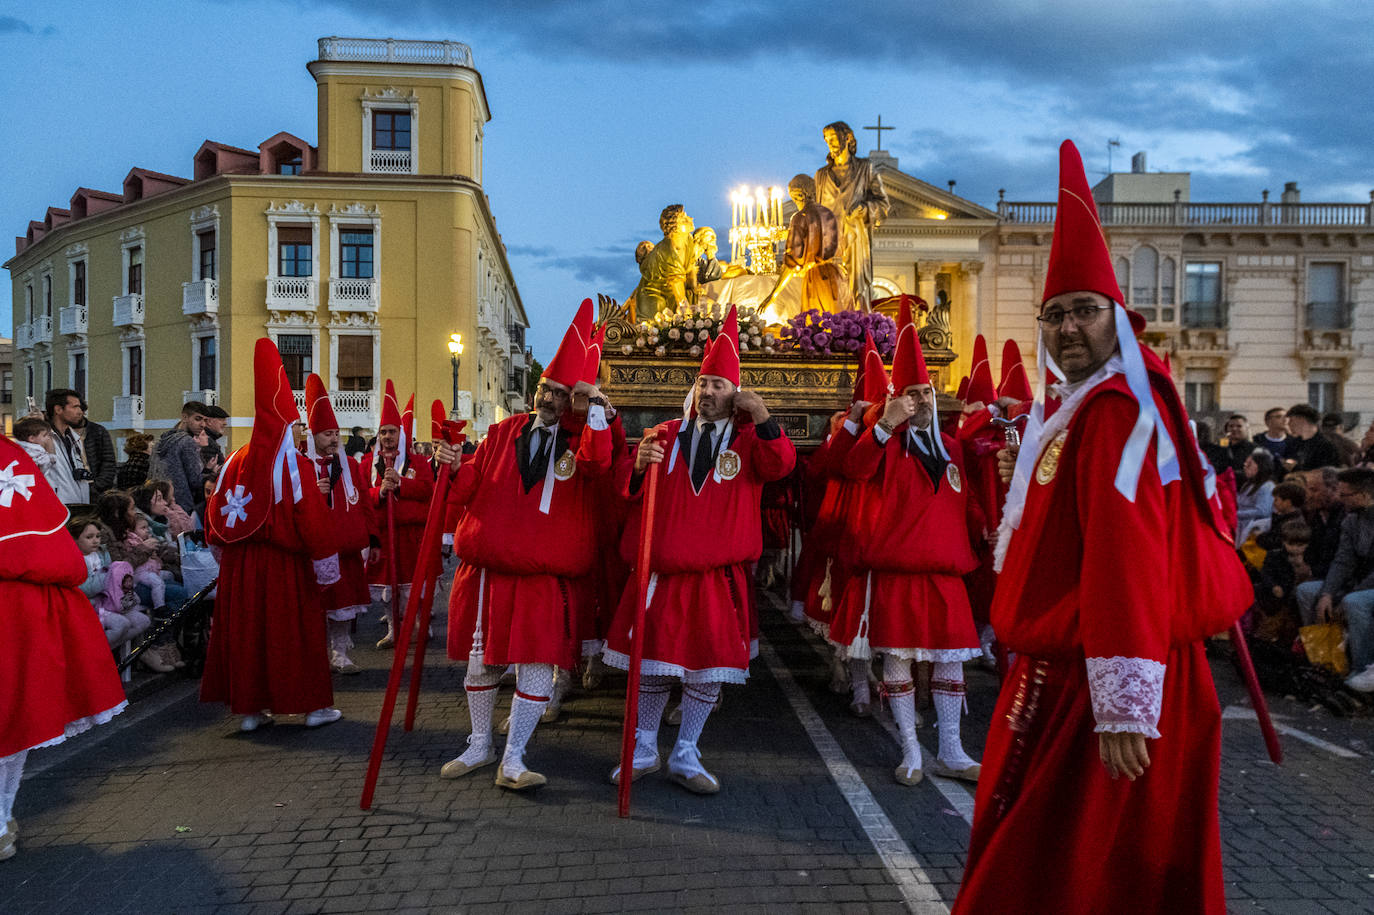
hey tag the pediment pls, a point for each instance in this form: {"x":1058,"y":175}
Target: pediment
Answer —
{"x":913,"y":198}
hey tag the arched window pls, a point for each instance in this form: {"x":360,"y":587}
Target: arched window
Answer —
{"x":1123,"y":275}
{"x":1145,"y":267}
{"x":1167,"y":272}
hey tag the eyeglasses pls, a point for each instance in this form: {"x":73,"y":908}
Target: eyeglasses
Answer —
{"x":558,"y":393}
{"x":1082,"y":315}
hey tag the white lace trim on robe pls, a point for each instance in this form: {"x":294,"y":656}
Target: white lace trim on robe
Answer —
{"x":327,"y":570}
{"x":1127,"y":694}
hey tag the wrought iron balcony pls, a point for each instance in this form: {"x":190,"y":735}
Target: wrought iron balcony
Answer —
{"x":128,"y":413}
{"x":128,"y":310}
{"x":200,"y":297}
{"x":354,"y":294}
{"x":292,"y":293}
{"x":40,"y":331}
{"x":1328,"y":315}
{"x":1206,"y":315}
{"x":72,"y":320}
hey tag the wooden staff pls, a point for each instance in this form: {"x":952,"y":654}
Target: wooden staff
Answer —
{"x":393,"y":574}
{"x":429,"y":548}
{"x":1247,"y":673}
{"x":627,"y":737}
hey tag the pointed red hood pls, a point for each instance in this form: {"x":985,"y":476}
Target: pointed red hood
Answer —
{"x":391,"y":407}
{"x":980,"y":389}
{"x":963,"y":389}
{"x":859,"y":370}
{"x":568,"y":364}
{"x":722,"y":359}
{"x":319,"y":412}
{"x":1080,"y":258}
{"x":908,"y":362}
{"x":592,"y":366}
{"x":408,"y":420}
{"x":876,"y":384}
{"x":1014,"y":381}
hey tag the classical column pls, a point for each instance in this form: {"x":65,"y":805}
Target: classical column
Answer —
{"x":925,"y":280}
{"x":969,"y":271}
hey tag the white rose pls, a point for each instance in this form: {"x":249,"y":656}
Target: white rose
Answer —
{"x":695,"y":350}
{"x":661,"y":351}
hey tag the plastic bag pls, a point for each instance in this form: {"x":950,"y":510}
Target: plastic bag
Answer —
{"x":199,"y":566}
{"x":1324,"y":644}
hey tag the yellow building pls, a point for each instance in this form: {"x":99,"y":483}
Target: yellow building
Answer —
{"x":360,"y":257}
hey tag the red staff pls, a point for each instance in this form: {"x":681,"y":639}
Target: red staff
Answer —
{"x":646,"y":536}
{"x":429,"y":551}
{"x":1247,"y":673}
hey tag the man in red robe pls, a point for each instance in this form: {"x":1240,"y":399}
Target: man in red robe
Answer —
{"x":707,"y":534}
{"x":400,"y":483}
{"x":1100,"y":789}
{"x":56,"y":674}
{"x":905,"y":599}
{"x":340,"y":480}
{"x":528,"y":540}
{"x":267,"y":645}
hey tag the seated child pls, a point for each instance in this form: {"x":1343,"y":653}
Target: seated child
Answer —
{"x":143,"y":550}
{"x":120,"y":601}
{"x":1284,"y":569}
{"x":1289,"y":498}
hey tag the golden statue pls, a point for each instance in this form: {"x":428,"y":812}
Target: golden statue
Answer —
{"x":850,"y":187}
{"x":668,"y":273}
{"x":813,"y":237}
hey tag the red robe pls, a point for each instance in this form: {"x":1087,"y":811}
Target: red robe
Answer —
{"x":1133,"y":587}
{"x":355,"y":529}
{"x":981,"y":440}
{"x":411,"y":508}
{"x":906,"y":596}
{"x":267,"y":646}
{"x":845,"y":514}
{"x":57,"y":676}
{"x":699,"y":620}
{"x":526,"y":588}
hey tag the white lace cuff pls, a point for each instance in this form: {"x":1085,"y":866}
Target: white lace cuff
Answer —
{"x":851,"y":427}
{"x":327,"y":570}
{"x":1127,"y":694}
{"x":448,"y":540}
{"x":596,"y":418}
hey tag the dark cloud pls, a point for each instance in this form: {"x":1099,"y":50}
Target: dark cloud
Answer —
{"x":11,"y":26}
{"x":609,"y":269}
{"x":529,"y":251}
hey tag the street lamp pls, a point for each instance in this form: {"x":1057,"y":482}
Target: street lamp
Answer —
{"x":455,"y":349}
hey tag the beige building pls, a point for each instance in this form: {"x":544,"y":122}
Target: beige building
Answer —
{"x":359,"y":256}
{"x":1258,"y":304}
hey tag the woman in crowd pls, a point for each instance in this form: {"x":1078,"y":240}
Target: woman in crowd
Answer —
{"x":134,"y":471}
{"x":1255,"y":494}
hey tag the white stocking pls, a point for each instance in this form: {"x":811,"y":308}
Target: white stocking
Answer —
{"x":901,"y":696}
{"x":481,"y":692}
{"x":697,"y":701}
{"x":533,"y":686}
{"x":858,"y":679}
{"x":653,"y":699}
{"x":947,"y":689}
{"x":11,"y":771}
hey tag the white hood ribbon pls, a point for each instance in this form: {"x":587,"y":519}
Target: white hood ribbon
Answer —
{"x":286,"y":455}
{"x":1148,"y":422}
{"x":12,"y":483}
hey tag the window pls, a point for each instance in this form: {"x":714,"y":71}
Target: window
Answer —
{"x":79,"y":283}
{"x":293,"y":251}
{"x":1145,"y":268}
{"x":79,"y":374}
{"x":135,"y":270}
{"x":28,"y":299}
{"x":1167,"y":271}
{"x":28,"y":378}
{"x":1202,"y":294}
{"x":355,"y":253}
{"x":391,"y":130}
{"x":205,"y":363}
{"x":1123,"y":274}
{"x":289,"y":166}
{"x":355,"y":362}
{"x":206,"y":243}
{"x":135,"y":371}
{"x":297,"y":351}
{"x":1326,"y":306}
{"x":47,"y":295}
{"x":1324,"y":390}
{"x":47,"y":375}
{"x":7,"y":386}
{"x":1200,"y":391}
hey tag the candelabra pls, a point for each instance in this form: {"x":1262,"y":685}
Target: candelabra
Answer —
{"x":756,"y":228}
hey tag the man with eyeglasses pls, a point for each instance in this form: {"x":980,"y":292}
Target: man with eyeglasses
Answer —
{"x":1114,"y":566}
{"x":528,"y":541}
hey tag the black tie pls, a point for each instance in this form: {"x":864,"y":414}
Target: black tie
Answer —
{"x":702,"y":459}
{"x":539,"y":460}
{"x":932,"y":462}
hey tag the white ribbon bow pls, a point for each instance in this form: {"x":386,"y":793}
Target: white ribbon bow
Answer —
{"x":236,"y":501}
{"x":11,"y":483}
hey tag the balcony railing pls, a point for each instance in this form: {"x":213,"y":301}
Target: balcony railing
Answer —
{"x":41,"y":329}
{"x":1202,"y":214}
{"x":128,"y":413}
{"x":200,"y":297}
{"x":1158,"y":313}
{"x":392,"y":50}
{"x":292,"y":293}
{"x":351,"y":408}
{"x":128,"y":310}
{"x":390,"y":161}
{"x":72,"y":320}
{"x":353,"y":294}
{"x":1206,"y":315}
{"x":23,"y":336}
{"x":207,"y":396}
{"x":1328,"y":315}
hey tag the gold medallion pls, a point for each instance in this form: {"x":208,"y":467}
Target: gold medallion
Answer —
{"x":566,"y":467}
{"x":1049,"y":459}
{"x":410,"y":473}
{"x":727,"y":464}
{"x":952,"y":475}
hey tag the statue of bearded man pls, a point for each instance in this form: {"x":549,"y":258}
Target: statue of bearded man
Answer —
{"x":850,"y":187}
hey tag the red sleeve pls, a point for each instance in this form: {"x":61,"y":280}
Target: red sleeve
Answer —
{"x":311,"y":515}
{"x":864,"y":457}
{"x":771,"y":458}
{"x":594,"y":451}
{"x":419,"y":488}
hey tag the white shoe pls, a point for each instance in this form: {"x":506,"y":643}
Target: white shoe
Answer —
{"x":512,"y":774}
{"x":476,"y":756}
{"x":1362,"y":682}
{"x":322,"y":716}
{"x":685,"y":768}
{"x":253,"y":722}
{"x":909,"y":772}
{"x":646,"y":758}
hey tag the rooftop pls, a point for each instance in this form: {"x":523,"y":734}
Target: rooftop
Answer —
{"x":396,"y":50}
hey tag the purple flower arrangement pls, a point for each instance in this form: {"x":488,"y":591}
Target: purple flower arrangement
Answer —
{"x":837,"y":333}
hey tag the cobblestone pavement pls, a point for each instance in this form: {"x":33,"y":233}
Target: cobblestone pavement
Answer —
{"x":171,"y":809}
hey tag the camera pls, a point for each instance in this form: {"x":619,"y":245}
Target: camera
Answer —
{"x":81,"y":474}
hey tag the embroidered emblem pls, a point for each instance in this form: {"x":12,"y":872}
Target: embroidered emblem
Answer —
{"x":11,"y":483}
{"x":727,"y":464}
{"x":410,"y":473}
{"x":566,"y":466}
{"x":235,"y":505}
{"x":1049,"y":459}
{"x":952,"y":474}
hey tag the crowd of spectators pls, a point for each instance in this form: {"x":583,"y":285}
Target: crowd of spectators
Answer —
{"x":1304,"y":524}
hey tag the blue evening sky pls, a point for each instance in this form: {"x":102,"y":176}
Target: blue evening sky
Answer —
{"x":605,"y":112}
